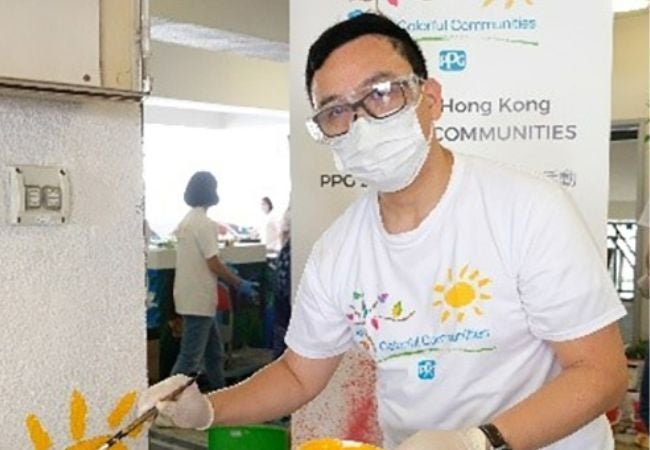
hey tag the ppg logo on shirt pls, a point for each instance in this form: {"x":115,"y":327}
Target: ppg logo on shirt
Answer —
{"x":452,"y":60}
{"x":427,"y":369}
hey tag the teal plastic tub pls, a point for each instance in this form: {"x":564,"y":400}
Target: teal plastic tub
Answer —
{"x":251,"y":437}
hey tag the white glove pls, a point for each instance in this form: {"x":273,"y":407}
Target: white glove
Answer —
{"x":190,"y":409}
{"x":472,"y":439}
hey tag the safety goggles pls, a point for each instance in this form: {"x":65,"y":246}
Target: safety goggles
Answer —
{"x":378,"y":101}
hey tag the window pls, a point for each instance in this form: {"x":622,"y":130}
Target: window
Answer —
{"x":621,"y":256}
{"x":249,"y":163}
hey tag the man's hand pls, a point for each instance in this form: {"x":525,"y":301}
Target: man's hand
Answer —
{"x":472,"y":439}
{"x":190,"y":409}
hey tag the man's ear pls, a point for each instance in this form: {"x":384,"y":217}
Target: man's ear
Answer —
{"x":432,"y":92}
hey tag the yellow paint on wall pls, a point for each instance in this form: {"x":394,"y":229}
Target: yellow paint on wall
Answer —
{"x":78,"y":412}
{"x":121,"y":410}
{"x":77,"y":422}
{"x":39,"y":436}
{"x":90,"y":444}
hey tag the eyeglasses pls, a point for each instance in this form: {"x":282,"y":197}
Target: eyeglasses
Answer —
{"x":379,"y":101}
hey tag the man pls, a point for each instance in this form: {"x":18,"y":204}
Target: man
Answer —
{"x":475,"y":288}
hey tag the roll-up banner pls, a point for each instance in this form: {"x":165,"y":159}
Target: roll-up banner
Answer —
{"x":526,"y":82}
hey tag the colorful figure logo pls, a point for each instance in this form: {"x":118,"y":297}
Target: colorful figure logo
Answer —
{"x":374,"y":8}
{"x":461,"y":294}
{"x":78,"y":413}
{"x":365,"y":317}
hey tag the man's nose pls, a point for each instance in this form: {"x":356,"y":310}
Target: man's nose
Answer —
{"x":359,"y":111}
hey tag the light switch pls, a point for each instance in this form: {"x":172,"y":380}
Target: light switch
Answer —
{"x":32,"y":197}
{"x":52,"y":197}
{"x":39,"y":195}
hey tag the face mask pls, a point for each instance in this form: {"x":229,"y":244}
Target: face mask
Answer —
{"x":384,"y":154}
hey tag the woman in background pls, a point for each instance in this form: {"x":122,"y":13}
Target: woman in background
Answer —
{"x":270,"y":230}
{"x":198,"y":269}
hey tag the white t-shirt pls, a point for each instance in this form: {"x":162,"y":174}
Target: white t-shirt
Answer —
{"x":458,"y":313}
{"x":195,"y":285}
{"x":272,"y":235}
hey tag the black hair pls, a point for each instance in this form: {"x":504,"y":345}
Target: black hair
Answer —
{"x":201,"y":190}
{"x":268,"y":202}
{"x":361,"y":25}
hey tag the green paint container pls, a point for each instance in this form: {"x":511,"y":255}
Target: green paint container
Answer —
{"x":251,"y":437}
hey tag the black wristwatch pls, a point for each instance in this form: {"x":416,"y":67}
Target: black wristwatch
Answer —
{"x":494,"y":437}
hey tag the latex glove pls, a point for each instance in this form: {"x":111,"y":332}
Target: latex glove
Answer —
{"x":247,"y":289}
{"x":472,"y":439}
{"x":191,"y":409}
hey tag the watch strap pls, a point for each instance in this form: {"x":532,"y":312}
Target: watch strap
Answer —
{"x":494,"y":437}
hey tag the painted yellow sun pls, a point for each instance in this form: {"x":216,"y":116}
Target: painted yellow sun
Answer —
{"x":508,"y":3}
{"x":78,"y":413}
{"x":461,"y":293}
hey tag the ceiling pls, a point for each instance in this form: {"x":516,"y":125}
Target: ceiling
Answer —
{"x":213,"y":39}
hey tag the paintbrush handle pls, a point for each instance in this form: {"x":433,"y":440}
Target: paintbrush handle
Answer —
{"x":179,"y":390}
{"x":149,"y":414}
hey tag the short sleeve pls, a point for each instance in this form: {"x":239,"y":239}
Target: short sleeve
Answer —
{"x":206,"y":237}
{"x":318,"y":328}
{"x":564,"y":286}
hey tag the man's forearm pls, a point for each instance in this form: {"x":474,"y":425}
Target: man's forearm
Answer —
{"x":273,"y":392}
{"x":573,"y":399}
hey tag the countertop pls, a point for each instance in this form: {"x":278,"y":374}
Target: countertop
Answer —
{"x":165,"y":258}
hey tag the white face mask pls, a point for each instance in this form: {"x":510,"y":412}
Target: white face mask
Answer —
{"x":384,"y":154}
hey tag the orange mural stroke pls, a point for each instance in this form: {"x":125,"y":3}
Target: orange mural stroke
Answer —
{"x":121,"y":410}
{"x":78,"y":413}
{"x":38,"y":435}
{"x":78,"y":418}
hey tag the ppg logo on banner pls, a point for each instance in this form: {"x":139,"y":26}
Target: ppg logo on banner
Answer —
{"x":427,"y":369}
{"x":452,"y":60}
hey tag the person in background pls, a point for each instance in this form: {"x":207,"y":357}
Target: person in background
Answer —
{"x":270,"y":231}
{"x":282,"y":288}
{"x":476,"y":288}
{"x":198,"y":269}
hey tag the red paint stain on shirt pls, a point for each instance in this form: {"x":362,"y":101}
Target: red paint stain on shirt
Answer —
{"x":360,"y":422}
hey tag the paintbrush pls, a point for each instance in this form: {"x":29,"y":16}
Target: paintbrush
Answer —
{"x":149,"y":414}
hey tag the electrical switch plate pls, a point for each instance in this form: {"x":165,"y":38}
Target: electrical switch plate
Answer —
{"x":39,"y":195}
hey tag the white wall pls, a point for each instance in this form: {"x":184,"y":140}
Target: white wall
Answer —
{"x":72,"y":296}
{"x":630,"y":79}
{"x":186,"y":73}
{"x":630,"y":97}
{"x":623,"y":171}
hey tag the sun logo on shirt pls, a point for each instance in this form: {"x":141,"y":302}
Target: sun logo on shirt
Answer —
{"x":461,"y":294}
{"x":508,"y":4}
{"x":41,"y":439}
